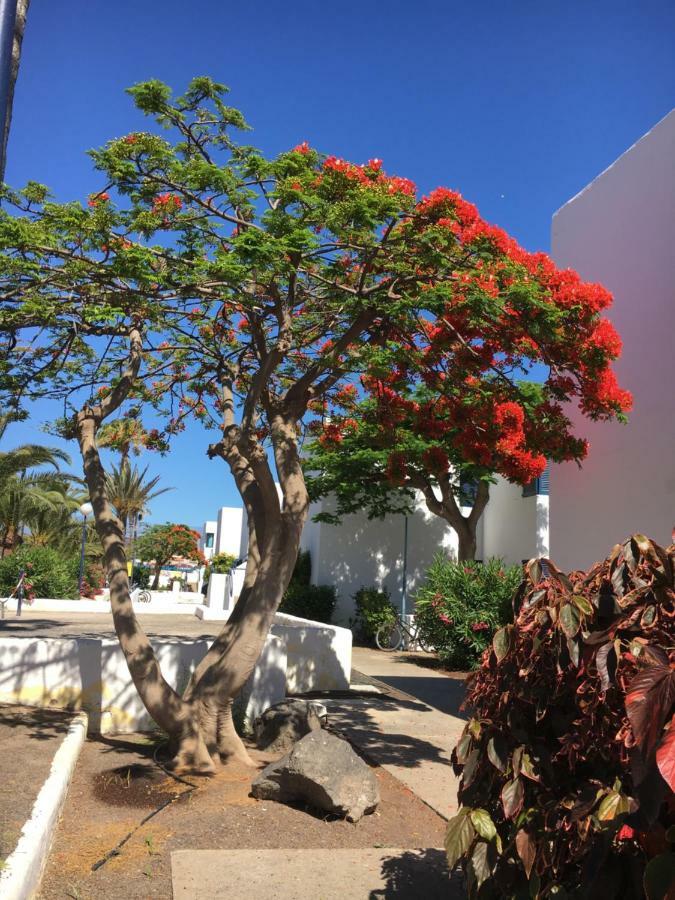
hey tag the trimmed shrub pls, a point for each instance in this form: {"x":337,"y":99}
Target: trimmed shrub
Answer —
{"x":568,"y":763}
{"x":302,"y":573}
{"x":309,"y":601}
{"x":48,"y":572}
{"x":461,"y":605}
{"x":373,"y":608}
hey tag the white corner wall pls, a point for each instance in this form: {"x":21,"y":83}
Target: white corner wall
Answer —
{"x":509,"y":524}
{"x":228,"y":531}
{"x":620,"y":230}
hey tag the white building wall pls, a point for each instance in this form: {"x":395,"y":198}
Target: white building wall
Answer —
{"x":620,"y":230}
{"x":369,"y":553}
{"x":229,"y":528}
{"x":510,"y":524}
{"x":208,"y":528}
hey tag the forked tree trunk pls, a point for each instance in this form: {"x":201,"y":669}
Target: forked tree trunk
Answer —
{"x":447,"y":508}
{"x":199,"y":724}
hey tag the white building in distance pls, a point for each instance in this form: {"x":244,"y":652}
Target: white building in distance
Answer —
{"x":362,"y":552}
{"x":620,"y":231}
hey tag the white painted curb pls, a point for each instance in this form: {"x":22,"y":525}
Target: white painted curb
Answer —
{"x":21,"y":874}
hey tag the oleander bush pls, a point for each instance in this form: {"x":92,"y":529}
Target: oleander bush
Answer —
{"x":567,"y":763}
{"x":49,"y":573}
{"x":373,"y":608}
{"x":461,"y":605}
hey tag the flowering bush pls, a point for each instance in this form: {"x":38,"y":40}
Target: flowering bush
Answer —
{"x":568,"y":762}
{"x":460,"y":606}
{"x":48,"y":573}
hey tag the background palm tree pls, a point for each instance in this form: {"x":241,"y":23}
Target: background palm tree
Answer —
{"x":130,"y":492}
{"x":27,"y":491}
{"x":12,"y":74}
{"x":125,"y":435}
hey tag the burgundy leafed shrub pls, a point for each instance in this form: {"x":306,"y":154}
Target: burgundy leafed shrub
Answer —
{"x":568,"y":762}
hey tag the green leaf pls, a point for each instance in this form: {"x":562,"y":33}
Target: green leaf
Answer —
{"x":502,"y":642}
{"x":474,"y":728}
{"x":527,"y":768}
{"x":659,"y":877}
{"x":459,"y":836}
{"x":583,"y":605}
{"x":481,"y":821}
{"x":497,"y":752}
{"x":482,"y":863}
{"x":613,"y":805}
{"x":513,"y":795}
{"x":569,"y":620}
{"x":464,"y":748}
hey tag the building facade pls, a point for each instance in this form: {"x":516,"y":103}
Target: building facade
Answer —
{"x":395,"y":552}
{"x":620,"y":231}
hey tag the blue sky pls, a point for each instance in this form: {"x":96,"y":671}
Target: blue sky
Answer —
{"x":518,"y":105}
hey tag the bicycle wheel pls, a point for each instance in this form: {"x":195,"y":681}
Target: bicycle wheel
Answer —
{"x":144,"y":596}
{"x":423,"y":644}
{"x":388,"y":636}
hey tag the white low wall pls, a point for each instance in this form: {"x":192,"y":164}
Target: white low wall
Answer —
{"x":318,"y":656}
{"x":161,"y":602}
{"x":91,"y":674}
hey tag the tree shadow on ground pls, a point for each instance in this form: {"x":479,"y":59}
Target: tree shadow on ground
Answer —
{"x":356,"y":722}
{"x":414,"y":874}
{"x":40,"y":724}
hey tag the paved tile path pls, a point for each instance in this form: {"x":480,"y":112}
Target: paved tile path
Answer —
{"x":410,"y":728}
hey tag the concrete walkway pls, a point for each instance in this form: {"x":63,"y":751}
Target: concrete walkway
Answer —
{"x":409,"y":728}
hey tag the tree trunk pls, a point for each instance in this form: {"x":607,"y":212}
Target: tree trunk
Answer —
{"x":19,"y":26}
{"x":199,"y":724}
{"x":466,"y":544}
{"x":155,"y":581}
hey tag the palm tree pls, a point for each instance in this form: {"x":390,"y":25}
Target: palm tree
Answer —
{"x":26,"y":490}
{"x":19,"y":26}
{"x":130,"y":492}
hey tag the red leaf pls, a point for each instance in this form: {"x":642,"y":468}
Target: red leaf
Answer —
{"x":665,"y":755}
{"x":527,"y":850}
{"x":649,"y":702}
{"x":513,"y":795}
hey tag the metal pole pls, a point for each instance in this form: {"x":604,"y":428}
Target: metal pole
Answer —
{"x":404,"y":595}
{"x":84,"y":538}
{"x":7,"y":26}
{"x":19,"y":600}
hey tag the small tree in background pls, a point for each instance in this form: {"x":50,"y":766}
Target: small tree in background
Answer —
{"x":213,"y":284}
{"x":159,"y":544}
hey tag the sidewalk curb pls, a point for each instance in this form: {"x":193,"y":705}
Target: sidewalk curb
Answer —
{"x":21,"y":874}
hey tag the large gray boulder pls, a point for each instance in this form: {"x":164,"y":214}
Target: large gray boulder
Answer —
{"x":323,"y":771}
{"x":281,"y":725}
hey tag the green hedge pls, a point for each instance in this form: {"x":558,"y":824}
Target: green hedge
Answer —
{"x":309,"y":601}
{"x":461,"y":605}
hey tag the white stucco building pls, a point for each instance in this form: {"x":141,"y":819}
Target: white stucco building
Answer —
{"x":620,"y":230}
{"x":362,"y":552}
{"x":224,"y":535}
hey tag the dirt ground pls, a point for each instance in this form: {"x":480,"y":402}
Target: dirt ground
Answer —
{"x":29,"y":738}
{"x":117,"y":783}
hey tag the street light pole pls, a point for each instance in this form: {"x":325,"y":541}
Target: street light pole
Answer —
{"x":86,"y":510}
{"x":404,"y":593}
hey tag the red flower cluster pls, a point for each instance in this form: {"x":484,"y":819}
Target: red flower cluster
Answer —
{"x":166,"y":203}
{"x":370,"y":175}
{"x":303,"y":148}
{"x":95,"y":199}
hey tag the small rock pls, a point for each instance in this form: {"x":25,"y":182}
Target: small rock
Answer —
{"x":280,"y":726}
{"x":323,"y":771}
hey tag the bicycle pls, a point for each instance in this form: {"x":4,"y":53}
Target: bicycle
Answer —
{"x":390,"y":635}
{"x":142,"y":595}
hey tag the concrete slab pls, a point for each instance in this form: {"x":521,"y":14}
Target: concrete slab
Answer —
{"x":312,"y":875}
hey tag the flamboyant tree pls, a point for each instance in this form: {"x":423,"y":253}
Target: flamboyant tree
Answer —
{"x":159,"y":544}
{"x":212,"y":284}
